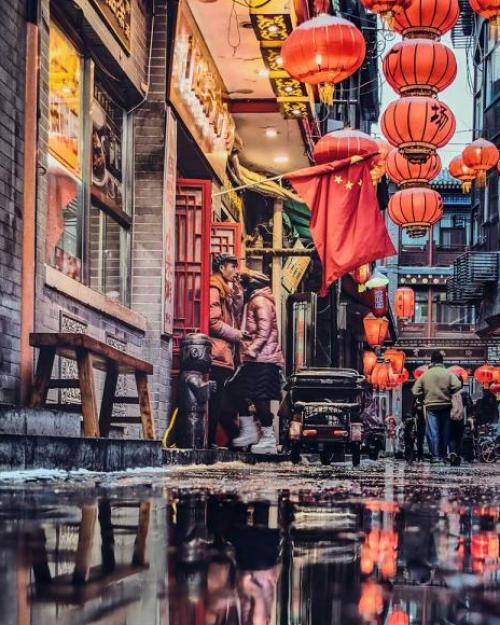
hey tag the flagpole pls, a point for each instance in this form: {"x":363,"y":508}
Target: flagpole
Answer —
{"x":250,"y":184}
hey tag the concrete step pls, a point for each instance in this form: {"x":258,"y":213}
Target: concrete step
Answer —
{"x":39,"y":422}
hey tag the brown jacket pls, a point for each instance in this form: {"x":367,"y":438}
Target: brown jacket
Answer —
{"x":262,"y":324}
{"x":226,"y":305}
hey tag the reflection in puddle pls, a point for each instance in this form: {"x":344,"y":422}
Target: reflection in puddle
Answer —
{"x":199,"y":558}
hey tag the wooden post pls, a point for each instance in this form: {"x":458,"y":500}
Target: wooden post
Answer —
{"x":87,"y":391}
{"x":40,"y":388}
{"x":108,"y":397}
{"x":148,"y":427}
{"x":85,"y":541}
{"x":139,"y":557}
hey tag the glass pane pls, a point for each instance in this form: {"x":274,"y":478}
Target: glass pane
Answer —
{"x":493,"y":75}
{"x":421,"y":307}
{"x":108,"y":256}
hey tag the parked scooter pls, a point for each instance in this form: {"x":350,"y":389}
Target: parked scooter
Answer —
{"x":373,"y":428}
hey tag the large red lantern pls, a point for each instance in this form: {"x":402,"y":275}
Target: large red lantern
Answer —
{"x":459,"y":170}
{"x":459,"y":372}
{"x":419,"y":67}
{"x":484,"y":374}
{"x":490,"y":10}
{"x":397,"y":358}
{"x":380,"y":301}
{"x":416,"y":210}
{"x":428,"y":19}
{"x":369,"y":362}
{"x":345,"y":143}
{"x":419,"y":371}
{"x":481,"y":155}
{"x":376,"y":329}
{"x":417,"y":125}
{"x":382,"y":376}
{"x":323,"y":51}
{"x":386,"y":8}
{"x":404,"y":303}
{"x":406,"y":174}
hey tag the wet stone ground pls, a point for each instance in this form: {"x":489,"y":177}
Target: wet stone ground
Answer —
{"x":235,"y":544}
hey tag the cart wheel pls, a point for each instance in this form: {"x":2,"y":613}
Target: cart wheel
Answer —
{"x":325,"y":456}
{"x":356,"y":454}
{"x":487,"y":451}
{"x":295,"y":454}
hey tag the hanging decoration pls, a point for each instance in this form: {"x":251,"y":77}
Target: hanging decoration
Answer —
{"x":323,"y":51}
{"x":377,"y":279}
{"x":417,"y":125}
{"x":428,"y":19}
{"x":386,"y":8}
{"x":419,"y":371}
{"x":346,"y":143}
{"x":416,"y":210}
{"x":406,"y":174}
{"x":379,"y":301}
{"x":369,"y":362}
{"x":490,"y":10}
{"x":380,"y":161}
{"x":459,"y":170}
{"x":484,"y":374}
{"x":397,"y":358}
{"x":376,"y":329}
{"x":361,"y":275}
{"x":404,"y":303}
{"x":419,"y":67}
{"x":481,"y":155}
{"x":459,"y":371}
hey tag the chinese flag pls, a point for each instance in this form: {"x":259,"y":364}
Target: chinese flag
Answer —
{"x":347,"y":226}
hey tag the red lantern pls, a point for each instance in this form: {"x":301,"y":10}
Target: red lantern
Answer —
{"x":406,"y":174}
{"x":404,"y":376}
{"x":404,"y":303}
{"x":323,"y":51}
{"x":419,"y":371}
{"x":490,"y":10}
{"x":380,"y":161}
{"x":386,"y":8}
{"x":428,"y":19}
{"x":398,"y":617}
{"x":340,"y":144}
{"x":460,"y":372}
{"x":484,"y":375}
{"x":419,"y":67}
{"x":382,"y":376}
{"x":369,"y":362}
{"x":416,"y":210}
{"x":458,"y":169}
{"x":376,"y":329}
{"x":380,"y":301}
{"x":417,"y":125}
{"x":397,"y":358}
{"x":481,"y":156}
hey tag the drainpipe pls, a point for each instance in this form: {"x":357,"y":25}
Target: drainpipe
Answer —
{"x":29,"y":196}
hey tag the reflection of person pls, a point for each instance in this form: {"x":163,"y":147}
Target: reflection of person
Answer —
{"x":436,"y":387}
{"x":419,"y":414}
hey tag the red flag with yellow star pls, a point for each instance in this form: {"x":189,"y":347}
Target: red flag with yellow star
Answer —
{"x":347,"y":226}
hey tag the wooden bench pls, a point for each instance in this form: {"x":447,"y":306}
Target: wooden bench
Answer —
{"x":91,"y":354}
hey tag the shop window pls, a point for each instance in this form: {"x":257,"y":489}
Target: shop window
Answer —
{"x":409,"y":242}
{"x":88,"y":214}
{"x":451,"y":232}
{"x":421,"y":306}
{"x":445,"y":313}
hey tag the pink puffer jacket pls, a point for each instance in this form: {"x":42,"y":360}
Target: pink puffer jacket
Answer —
{"x":262,"y":324}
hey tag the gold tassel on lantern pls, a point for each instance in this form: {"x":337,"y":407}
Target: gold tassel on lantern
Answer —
{"x":326,"y":93}
{"x":467,"y":186}
{"x":388,"y":18}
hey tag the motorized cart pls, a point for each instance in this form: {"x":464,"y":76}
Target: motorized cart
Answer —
{"x":325,"y":406}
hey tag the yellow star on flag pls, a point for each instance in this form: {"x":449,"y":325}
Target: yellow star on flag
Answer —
{"x":338,"y":179}
{"x":349,"y":185}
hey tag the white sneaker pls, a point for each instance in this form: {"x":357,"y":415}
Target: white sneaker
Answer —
{"x":267,"y":443}
{"x":249,"y":433}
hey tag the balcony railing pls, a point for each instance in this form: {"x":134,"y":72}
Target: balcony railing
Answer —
{"x":472,"y":272}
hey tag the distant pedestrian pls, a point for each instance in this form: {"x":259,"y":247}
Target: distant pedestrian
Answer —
{"x":486,"y":409}
{"x":436,"y":388}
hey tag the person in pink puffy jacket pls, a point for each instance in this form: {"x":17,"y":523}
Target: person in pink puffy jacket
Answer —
{"x":258,"y":379}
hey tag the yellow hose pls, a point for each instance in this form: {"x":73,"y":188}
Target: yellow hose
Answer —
{"x":164,"y":439}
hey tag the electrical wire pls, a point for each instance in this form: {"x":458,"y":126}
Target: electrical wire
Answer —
{"x":150,"y":57}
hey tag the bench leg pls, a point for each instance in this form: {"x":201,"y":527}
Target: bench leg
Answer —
{"x":85,"y":543}
{"x":87,"y":391}
{"x":44,"y":367}
{"x":148,"y":428}
{"x":108,"y":398}
{"x":139,"y":557}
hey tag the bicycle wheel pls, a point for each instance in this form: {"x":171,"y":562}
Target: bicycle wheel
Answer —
{"x":487,"y":451}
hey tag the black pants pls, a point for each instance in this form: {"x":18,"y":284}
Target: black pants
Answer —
{"x":456,"y":435}
{"x":220,"y":410}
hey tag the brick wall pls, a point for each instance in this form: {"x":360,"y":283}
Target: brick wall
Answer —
{"x":12,"y":60}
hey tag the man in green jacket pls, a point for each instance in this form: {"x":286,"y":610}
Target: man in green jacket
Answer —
{"x":435,"y":388}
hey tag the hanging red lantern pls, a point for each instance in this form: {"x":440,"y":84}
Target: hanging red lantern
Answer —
{"x":323,"y":51}
{"x":369,"y":362}
{"x":429,"y":19}
{"x":416,"y":210}
{"x":490,"y":10}
{"x":398,"y":617}
{"x":397,"y":358}
{"x":481,"y":155}
{"x":345,"y":143}
{"x":380,"y":161}
{"x":419,"y":67}
{"x":419,"y":371}
{"x":404,"y":303}
{"x":380,"y":301}
{"x":386,"y":8}
{"x":406,"y":174}
{"x":382,"y":376}
{"x":361,"y":275}
{"x":458,"y":169}
{"x":484,"y":374}
{"x":376,"y":329}
{"x":404,"y":376}
{"x":417,"y":125}
{"x":459,"y":372}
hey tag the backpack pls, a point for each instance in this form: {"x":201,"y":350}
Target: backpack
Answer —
{"x":457,"y":407}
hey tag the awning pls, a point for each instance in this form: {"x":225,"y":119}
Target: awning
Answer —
{"x":300,"y":216}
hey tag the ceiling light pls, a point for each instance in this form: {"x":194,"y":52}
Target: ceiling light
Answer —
{"x":280,"y":159}
{"x":288,"y":89}
{"x":271,"y":133}
{"x":264,"y":72}
{"x":272,"y":29}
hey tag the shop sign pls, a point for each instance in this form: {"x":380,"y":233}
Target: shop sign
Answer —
{"x":169,"y":201}
{"x":294,"y":270}
{"x":198,"y":93}
{"x":117,"y":14}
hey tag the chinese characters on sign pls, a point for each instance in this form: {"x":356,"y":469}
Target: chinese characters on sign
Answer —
{"x":169,"y":195}
{"x":117,"y":14}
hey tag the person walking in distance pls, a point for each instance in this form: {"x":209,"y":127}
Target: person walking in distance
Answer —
{"x":436,"y":388}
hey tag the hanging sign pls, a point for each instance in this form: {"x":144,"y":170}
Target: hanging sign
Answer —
{"x":117,"y":15}
{"x":294,"y":269}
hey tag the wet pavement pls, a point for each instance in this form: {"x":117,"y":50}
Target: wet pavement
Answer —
{"x":235,"y":544}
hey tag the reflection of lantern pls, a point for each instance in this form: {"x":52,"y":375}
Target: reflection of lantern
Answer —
{"x":427,"y":18}
{"x":397,"y":358}
{"x":323,"y":51}
{"x":419,"y":67}
{"x":459,"y":371}
{"x":369,"y":362}
{"x":380,"y":301}
{"x":417,"y":125}
{"x":404,"y":376}
{"x":382,"y":376}
{"x":406,"y":174}
{"x":376,"y":329}
{"x":371,"y":601}
{"x":386,"y":8}
{"x":490,"y":10}
{"x":459,"y":170}
{"x":416,"y":210}
{"x":361,"y":275}
{"x":398,"y":617}
{"x":404,"y":303}
{"x":484,"y":375}
{"x":481,"y":156}
{"x":346,"y":143}
{"x":419,"y":371}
